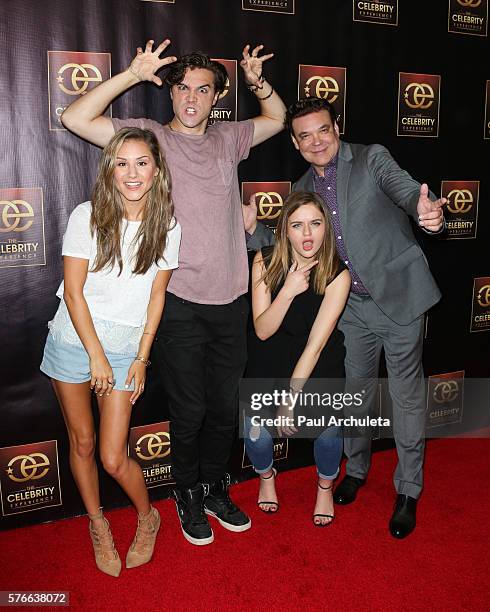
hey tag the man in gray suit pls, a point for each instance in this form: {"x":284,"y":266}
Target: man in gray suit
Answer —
{"x":370,"y":199}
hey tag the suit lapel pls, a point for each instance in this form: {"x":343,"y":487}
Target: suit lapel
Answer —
{"x":344,"y":168}
{"x":305,"y":183}
{"x":309,"y":183}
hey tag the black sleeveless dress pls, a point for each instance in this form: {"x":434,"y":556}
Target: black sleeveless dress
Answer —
{"x":277,"y":356}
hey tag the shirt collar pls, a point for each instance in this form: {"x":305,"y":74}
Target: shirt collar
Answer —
{"x":330,"y":166}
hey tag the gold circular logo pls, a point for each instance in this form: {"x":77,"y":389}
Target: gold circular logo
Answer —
{"x":26,"y":467}
{"x":459,"y":200}
{"x":12,"y":213}
{"x":483,"y":296}
{"x":326,"y":88}
{"x":469,"y":3}
{"x":269,"y":204}
{"x":153,"y":446}
{"x":446,"y":391}
{"x":225,"y":90}
{"x":79,"y":78}
{"x":419,"y":95}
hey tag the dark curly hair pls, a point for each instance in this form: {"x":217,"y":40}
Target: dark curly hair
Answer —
{"x":194,"y":60}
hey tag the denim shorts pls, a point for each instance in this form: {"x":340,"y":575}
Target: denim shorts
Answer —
{"x":70,"y":363}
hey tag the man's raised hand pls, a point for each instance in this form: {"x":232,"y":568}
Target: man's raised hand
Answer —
{"x":147,"y":63}
{"x":252,"y":65}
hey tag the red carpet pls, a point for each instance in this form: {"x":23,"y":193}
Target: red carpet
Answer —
{"x":284,"y":562}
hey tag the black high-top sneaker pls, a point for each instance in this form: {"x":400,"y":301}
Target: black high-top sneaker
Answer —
{"x":194,"y":523}
{"x":217,"y":503}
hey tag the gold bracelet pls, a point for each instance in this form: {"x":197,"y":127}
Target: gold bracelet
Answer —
{"x":148,"y":334}
{"x":147,"y":362}
{"x":267,"y":96}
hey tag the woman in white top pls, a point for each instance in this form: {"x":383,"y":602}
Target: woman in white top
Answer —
{"x":118,"y":252}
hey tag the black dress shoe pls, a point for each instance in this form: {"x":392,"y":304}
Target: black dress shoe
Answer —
{"x":403,"y":521}
{"x":346,"y":492}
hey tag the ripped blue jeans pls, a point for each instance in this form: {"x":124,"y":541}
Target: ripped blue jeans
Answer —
{"x":327,"y":449}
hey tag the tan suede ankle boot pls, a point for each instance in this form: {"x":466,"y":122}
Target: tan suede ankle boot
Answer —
{"x":106,"y":555}
{"x":141,"y":550}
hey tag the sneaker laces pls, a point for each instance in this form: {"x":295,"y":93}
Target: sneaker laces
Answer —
{"x":195,"y":511}
{"x":222,"y":497}
{"x":226,"y":500}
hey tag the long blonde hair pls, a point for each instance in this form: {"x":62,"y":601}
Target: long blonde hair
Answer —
{"x":277,"y":264}
{"x":108,"y":209}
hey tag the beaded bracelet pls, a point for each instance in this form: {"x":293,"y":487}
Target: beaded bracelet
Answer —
{"x":147,"y":362}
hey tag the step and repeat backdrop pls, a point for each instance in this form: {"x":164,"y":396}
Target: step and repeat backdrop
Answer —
{"x":410,"y":74}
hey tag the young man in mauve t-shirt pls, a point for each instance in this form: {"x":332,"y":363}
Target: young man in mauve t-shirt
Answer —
{"x":202,"y":339}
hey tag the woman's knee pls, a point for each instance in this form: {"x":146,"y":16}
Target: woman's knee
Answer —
{"x":83,"y":445}
{"x":259,"y":437}
{"x":329,"y":442}
{"x":114,"y":463}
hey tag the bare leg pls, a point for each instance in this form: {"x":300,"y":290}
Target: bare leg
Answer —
{"x":115,"y":413}
{"x":75,"y":402}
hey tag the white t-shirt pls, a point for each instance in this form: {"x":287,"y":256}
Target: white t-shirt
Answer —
{"x":112,"y":298}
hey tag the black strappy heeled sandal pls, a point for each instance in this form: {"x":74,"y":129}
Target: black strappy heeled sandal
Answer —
{"x":330,"y":516}
{"x":270,"y":503}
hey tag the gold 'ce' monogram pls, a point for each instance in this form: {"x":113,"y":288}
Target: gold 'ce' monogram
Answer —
{"x":483,"y":297}
{"x":79,"y":75}
{"x":324,"y":86}
{"x":268,"y":201}
{"x":29,"y":467}
{"x":469,"y":3}
{"x":422,"y":95}
{"x":460,"y":200}
{"x":155,"y":446}
{"x":225,"y":90}
{"x":12,"y":214}
{"x":446,"y":391}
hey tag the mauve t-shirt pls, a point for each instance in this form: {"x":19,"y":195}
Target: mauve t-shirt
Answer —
{"x":213,"y":266}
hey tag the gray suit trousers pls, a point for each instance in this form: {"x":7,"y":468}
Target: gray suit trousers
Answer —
{"x":367,"y":330}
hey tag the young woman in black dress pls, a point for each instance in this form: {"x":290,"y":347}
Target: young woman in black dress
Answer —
{"x":299,"y":290}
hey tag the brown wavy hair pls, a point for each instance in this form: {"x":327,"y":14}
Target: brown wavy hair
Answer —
{"x":108,"y":210}
{"x":278,"y":262}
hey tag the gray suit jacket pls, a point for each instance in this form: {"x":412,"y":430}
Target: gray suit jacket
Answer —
{"x":374,"y":197}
